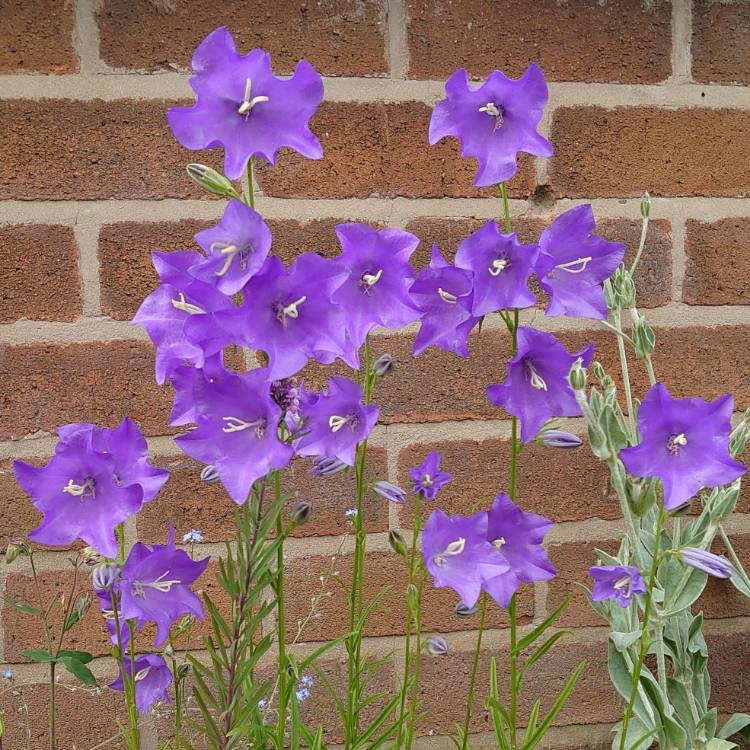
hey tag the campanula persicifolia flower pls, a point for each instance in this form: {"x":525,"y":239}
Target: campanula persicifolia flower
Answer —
{"x":701,"y":559}
{"x":560,"y":439}
{"x":152,"y":680}
{"x":391,"y":492}
{"x":428,"y":479}
{"x":618,"y":582}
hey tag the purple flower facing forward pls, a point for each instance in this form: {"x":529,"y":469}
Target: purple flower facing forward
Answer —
{"x":237,"y":430}
{"x":166,"y":310}
{"x":155,"y":586}
{"x":428,"y":479}
{"x":97,"y":478}
{"x":573,"y":263}
{"x":442,"y":292}
{"x":537,"y":386}
{"x":617,"y":582}
{"x":685,"y":443}
{"x":376,"y":289}
{"x":244,"y":108}
{"x":336,"y":421}
{"x":715,"y":565}
{"x":152,"y":680}
{"x":494,"y":121}
{"x":235,"y":248}
{"x":458,"y":555}
{"x":500,"y":268}
{"x":519,"y":536}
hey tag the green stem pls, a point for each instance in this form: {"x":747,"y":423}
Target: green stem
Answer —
{"x":616,"y":314}
{"x":128,"y":681}
{"x":473,"y":675}
{"x":417,"y":664}
{"x":52,"y":707}
{"x":641,"y":244}
{"x":280,"y":613}
{"x":514,"y":676}
{"x":249,"y":184}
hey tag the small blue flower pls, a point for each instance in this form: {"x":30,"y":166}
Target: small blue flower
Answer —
{"x":350,"y":512}
{"x":302,"y":694}
{"x":306,"y":681}
{"x":262,"y":704}
{"x":192,"y":537}
{"x":8,"y":675}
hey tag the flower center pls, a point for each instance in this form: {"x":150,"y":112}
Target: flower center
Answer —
{"x":676,"y":442}
{"x":492,"y":110}
{"x":453,"y":549}
{"x":535,"y":379}
{"x":230,"y":252}
{"x":88,"y":488}
{"x":139,"y":587}
{"x":368,"y":280}
{"x":182,"y":304}
{"x":499,"y":542}
{"x":287,"y":311}
{"x":141,"y":674}
{"x":427,"y":480}
{"x":335,"y":422}
{"x":451,"y":299}
{"x":498,"y":266}
{"x":625,"y":585}
{"x":247,"y":103}
{"x":235,"y":424}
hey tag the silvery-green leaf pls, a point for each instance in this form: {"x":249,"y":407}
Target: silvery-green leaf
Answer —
{"x":718,"y":744}
{"x":736,"y":724}
{"x":707,"y":725}
{"x":620,"y":672}
{"x":684,"y":596}
{"x":740,"y":583}
{"x":623,"y":641}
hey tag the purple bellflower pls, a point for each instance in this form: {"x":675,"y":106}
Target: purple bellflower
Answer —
{"x":500,"y":267}
{"x":619,"y":582}
{"x":428,"y":479}
{"x":685,"y":443}
{"x":97,"y":478}
{"x":237,"y":430}
{"x":573,"y":263}
{"x":494,"y":121}
{"x":391,"y":492}
{"x":152,"y":680}
{"x":244,"y":108}
{"x":519,"y":536}
{"x":701,"y":559}
{"x":537,"y":386}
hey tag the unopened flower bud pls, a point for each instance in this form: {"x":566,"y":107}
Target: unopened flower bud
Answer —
{"x":301,"y":513}
{"x":185,"y":623}
{"x":714,"y":565}
{"x":577,"y":376}
{"x":436,"y":646}
{"x":211,"y":180}
{"x":391,"y":492}
{"x":463,"y":611}
{"x":383,"y":365}
{"x":12,"y":551}
{"x":169,"y":650}
{"x":82,"y":606}
{"x":209,"y":474}
{"x":325,"y":467}
{"x":598,"y":369}
{"x":644,"y":337}
{"x":646,"y":206}
{"x":91,"y":556}
{"x":398,"y":545}
{"x":183,"y":670}
{"x":560,"y":439}
{"x":104,"y":576}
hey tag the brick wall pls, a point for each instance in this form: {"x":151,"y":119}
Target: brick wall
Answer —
{"x":644,"y":95}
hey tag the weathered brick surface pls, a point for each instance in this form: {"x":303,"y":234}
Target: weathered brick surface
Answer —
{"x":721,"y":41}
{"x":626,"y":150}
{"x":728,"y":663}
{"x":565,"y":40}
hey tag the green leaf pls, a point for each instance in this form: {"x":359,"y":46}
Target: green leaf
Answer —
{"x":719,"y":744}
{"x":83,"y":656}
{"x":38,"y":656}
{"x":736,"y":724}
{"x":71,"y":620}
{"x":530,"y":637}
{"x":623,"y":641}
{"x":79,"y":669}
{"x":688,"y":594}
{"x":739,"y":582}
{"x":544,"y":648}
{"x":22,"y":607}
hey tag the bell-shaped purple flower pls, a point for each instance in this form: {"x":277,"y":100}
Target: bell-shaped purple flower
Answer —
{"x":391,"y":492}
{"x":500,"y":267}
{"x":494,"y":121}
{"x":537,"y":386}
{"x":155,"y":586}
{"x":443,"y":293}
{"x":244,"y":108}
{"x":619,"y":582}
{"x":152,"y":680}
{"x":701,"y":559}
{"x":336,"y":421}
{"x":237,"y":430}
{"x":573,"y":263}
{"x":519,"y":536}
{"x":235,"y":248}
{"x":428,"y":479}
{"x":685,"y":443}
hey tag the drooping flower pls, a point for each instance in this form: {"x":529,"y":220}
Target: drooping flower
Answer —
{"x":500,"y":267}
{"x":337,"y":421}
{"x":685,"y":443}
{"x":560,"y":439}
{"x":573,"y":263}
{"x":235,"y":248}
{"x":715,"y":565}
{"x":97,"y":479}
{"x":326,"y":467}
{"x":619,"y":582}
{"x":442,"y":292}
{"x":391,"y":492}
{"x":494,"y":121}
{"x":104,"y":576}
{"x":242,"y":107}
{"x":436,"y":646}
{"x":155,"y":586}
{"x":152,"y":680}
{"x":237,"y":430}
{"x":428,"y":478}
{"x":519,"y":536}
{"x":458,"y":555}
{"x":537,"y":386}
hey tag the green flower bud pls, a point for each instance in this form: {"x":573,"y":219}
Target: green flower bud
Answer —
{"x":598,"y":369}
{"x":211,"y":180}
{"x":398,"y":545}
{"x":11,"y":553}
{"x":183,"y":670}
{"x":643,"y":336}
{"x":646,"y":206}
{"x":577,"y":376}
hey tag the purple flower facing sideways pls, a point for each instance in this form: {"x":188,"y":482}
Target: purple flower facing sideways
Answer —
{"x":519,"y":537}
{"x":155,"y":586}
{"x":97,"y":478}
{"x":537,"y":386}
{"x":244,"y":108}
{"x":617,"y":582}
{"x":685,"y":443}
{"x":428,"y":479}
{"x":500,"y":268}
{"x":152,"y":680}
{"x":493,"y":121}
{"x":715,"y":565}
{"x":573,"y":263}
{"x":391,"y":492}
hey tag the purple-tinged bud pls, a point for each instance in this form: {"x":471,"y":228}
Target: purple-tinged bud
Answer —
{"x":104,"y":576}
{"x":391,"y":492}
{"x":209,"y":474}
{"x":285,"y":394}
{"x":91,"y":556}
{"x":560,"y":439}
{"x":701,"y":559}
{"x":326,"y":467}
{"x":463,"y":611}
{"x":383,"y":365}
{"x":436,"y":646}
{"x":301,"y":513}
{"x":398,"y":545}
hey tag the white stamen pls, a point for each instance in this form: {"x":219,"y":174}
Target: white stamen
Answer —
{"x":676,"y":442}
{"x":491,"y":109}
{"x":680,"y":439}
{"x":625,"y":583}
{"x":229,"y":251}
{"x":336,"y":423}
{"x":235,"y":424}
{"x":535,"y":379}
{"x":451,"y":299}
{"x":427,"y":480}
{"x":453,"y":549}
{"x":158,"y":585}
{"x":142,"y":673}
{"x":181,"y":304}
{"x":74,"y":489}
{"x":499,"y":542}
{"x":248,"y":103}
{"x":291,"y":309}
{"x":575,"y":266}
{"x":372,"y":279}
{"x":498,"y":266}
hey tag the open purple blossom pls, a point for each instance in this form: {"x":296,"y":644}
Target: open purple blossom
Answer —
{"x":500,"y":267}
{"x":537,"y":386}
{"x":519,"y":536}
{"x":714,"y":565}
{"x":493,"y":121}
{"x":242,"y":107}
{"x":155,"y":586}
{"x":458,"y":555}
{"x":573,"y":263}
{"x":237,"y":430}
{"x":442,"y":292}
{"x":619,"y":582}
{"x":152,"y":680}
{"x":336,"y":421}
{"x":428,"y":479}
{"x":685,"y":443}
{"x":97,"y":479}
{"x":235,"y":248}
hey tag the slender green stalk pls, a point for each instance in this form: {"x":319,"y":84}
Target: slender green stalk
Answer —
{"x":641,"y":244}
{"x":474,"y":669}
{"x":48,"y":640}
{"x":128,"y":681}
{"x":625,"y":374}
{"x":52,"y":707}
{"x":417,"y":664}
{"x":280,"y":614}
{"x":249,"y":184}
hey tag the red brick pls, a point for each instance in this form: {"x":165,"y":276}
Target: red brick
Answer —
{"x":339,"y":37}
{"x":381,"y":150}
{"x":37,"y":37}
{"x":729,"y":664}
{"x":718,"y":263}
{"x":721,"y":41}
{"x":720,"y":598}
{"x":567,"y":40}
{"x":624,"y":151}
{"x":41,"y":282}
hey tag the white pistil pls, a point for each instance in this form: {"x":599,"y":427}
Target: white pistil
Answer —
{"x":491,"y":109}
{"x":499,"y":542}
{"x":227,"y":250}
{"x":624,"y":584}
{"x":535,"y":379}
{"x":185,"y":306}
{"x":248,"y":103}
{"x":159,"y":585}
{"x":427,"y":480}
{"x":235,"y":424}
{"x":575,"y":266}
{"x":336,"y":422}
{"x":290,"y":311}
{"x":498,"y":266}
{"x":372,"y":279}
{"x":451,"y":299}
{"x":676,"y":442}
{"x":142,"y":673}
{"x":74,"y":489}
{"x":452,"y":550}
